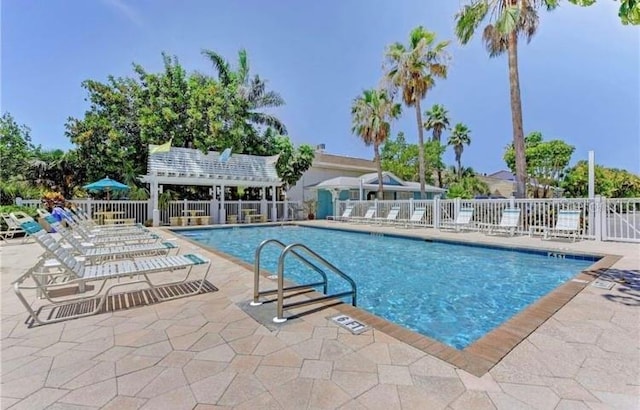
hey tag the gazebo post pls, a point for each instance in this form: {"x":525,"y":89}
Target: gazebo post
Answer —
{"x":274,"y":205}
{"x":263,"y":200}
{"x":223,"y":215}
{"x":155,"y":214}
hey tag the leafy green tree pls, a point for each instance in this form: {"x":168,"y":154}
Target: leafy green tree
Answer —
{"x":16,"y":148}
{"x":609,"y":182}
{"x":251,"y":90}
{"x":292,"y":163}
{"x":413,"y":70}
{"x":371,"y":113}
{"x":464,"y":183}
{"x":546,"y":162}
{"x":629,"y":11}
{"x":458,"y":139}
{"x":56,"y":170}
{"x":437,"y":121}
{"x":401,"y":158}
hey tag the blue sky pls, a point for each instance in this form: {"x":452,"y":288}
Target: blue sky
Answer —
{"x":579,"y":76}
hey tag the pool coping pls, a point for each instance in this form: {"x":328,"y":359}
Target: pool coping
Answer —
{"x":483,"y":354}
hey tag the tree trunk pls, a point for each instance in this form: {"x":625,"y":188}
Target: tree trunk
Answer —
{"x":437,"y":134}
{"x":376,"y":159}
{"x":516,"y":116}
{"x":459,"y":167}
{"x":421,"y":165}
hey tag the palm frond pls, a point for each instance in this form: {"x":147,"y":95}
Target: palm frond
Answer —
{"x":268,"y":120}
{"x":220,"y":65}
{"x":469,"y":18}
{"x":495,"y":42}
{"x":243,"y":67}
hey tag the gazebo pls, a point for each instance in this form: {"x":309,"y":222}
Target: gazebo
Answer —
{"x":186,"y":166}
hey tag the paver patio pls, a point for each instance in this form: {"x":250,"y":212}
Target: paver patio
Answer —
{"x":205,"y":352}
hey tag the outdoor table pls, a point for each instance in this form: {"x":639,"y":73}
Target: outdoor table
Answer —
{"x":105,"y":215}
{"x":191,"y":215}
{"x":247,"y":212}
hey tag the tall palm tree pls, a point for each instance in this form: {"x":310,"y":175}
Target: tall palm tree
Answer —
{"x":458,"y":139}
{"x":507,"y":21}
{"x":413,"y":70}
{"x":437,"y":121}
{"x":250,"y":89}
{"x":371,"y":114}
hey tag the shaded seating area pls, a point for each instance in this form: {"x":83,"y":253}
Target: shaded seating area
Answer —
{"x":216,"y":170}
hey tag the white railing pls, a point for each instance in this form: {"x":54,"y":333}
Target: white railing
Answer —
{"x":203,"y":211}
{"x":612,"y":219}
{"x":622,"y":219}
{"x":600,"y":218}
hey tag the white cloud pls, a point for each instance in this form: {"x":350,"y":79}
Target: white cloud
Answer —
{"x":124,"y":9}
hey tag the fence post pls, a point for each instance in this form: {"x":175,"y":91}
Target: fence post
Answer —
{"x":89,"y":209}
{"x":411,"y":207}
{"x":512,"y":201}
{"x":286,"y":208}
{"x":456,"y":208}
{"x":599,"y":217}
{"x":375,"y":202}
{"x":436,"y":212}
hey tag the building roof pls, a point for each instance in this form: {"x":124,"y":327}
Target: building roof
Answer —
{"x":504,"y":175}
{"x":370,"y":182}
{"x":186,"y":166}
{"x":324,"y":160}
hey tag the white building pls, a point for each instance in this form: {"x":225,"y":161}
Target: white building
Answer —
{"x":326,"y":166}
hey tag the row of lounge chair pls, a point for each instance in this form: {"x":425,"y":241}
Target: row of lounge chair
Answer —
{"x":567,"y":223}
{"x":107,"y":257}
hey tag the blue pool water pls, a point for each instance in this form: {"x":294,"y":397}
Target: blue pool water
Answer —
{"x":453,"y":293}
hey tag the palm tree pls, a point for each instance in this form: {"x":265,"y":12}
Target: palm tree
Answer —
{"x":458,"y":139}
{"x":413,"y":70}
{"x":371,"y":113}
{"x":437,"y":121}
{"x":508,"y":19}
{"x":252,"y":90}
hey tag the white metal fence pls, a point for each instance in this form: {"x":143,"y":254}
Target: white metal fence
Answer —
{"x":207,"y":211}
{"x":600,"y":218}
{"x":611,"y":219}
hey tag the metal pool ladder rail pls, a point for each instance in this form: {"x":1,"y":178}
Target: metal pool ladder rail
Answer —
{"x":303,"y":253}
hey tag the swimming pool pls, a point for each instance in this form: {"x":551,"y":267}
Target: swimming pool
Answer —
{"x":454,"y":293}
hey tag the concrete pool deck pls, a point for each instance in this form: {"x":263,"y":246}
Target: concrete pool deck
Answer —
{"x":205,"y":352}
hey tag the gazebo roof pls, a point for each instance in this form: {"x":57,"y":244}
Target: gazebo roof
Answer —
{"x":186,"y":166}
{"x":370,"y":183}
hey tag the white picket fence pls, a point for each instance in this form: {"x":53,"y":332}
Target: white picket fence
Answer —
{"x":616,"y":219}
{"x":208,"y":210}
{"x":607,"y":219}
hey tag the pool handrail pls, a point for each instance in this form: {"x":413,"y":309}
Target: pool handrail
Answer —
{"x":256,"y":273}
{"x":280,"y":291}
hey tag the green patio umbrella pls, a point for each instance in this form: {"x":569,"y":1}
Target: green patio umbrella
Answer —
{"x":106,"y":185}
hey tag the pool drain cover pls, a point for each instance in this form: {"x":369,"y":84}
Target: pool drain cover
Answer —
{"x":603,"y":284}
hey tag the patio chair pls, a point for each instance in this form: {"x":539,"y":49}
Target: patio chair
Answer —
{"x":345,"y":215}
{"x":567,"y":225}
{"x":110,"y":238}
{"x":127,"y":273}
{"x":391,"y":217}
{"x":368,"y":216}
{"x":508,"y":223}
{"x":463,"y":220}
{"x":414,"y":220}
{"x":99,"y":254}
{"x":81,"y":217}
{"x":12,"y":227}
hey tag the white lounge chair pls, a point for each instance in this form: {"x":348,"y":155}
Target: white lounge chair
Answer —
{"x":127,"y":272}
{"x":463,"y":220}
{"x":567,"y":225}
{"x":345,"y":215}
{"x":110,"y":238}
{"x":391,"y":217}
{"x":12,"y":227}
{"x":414,"y":220}
{"x":509,"y":222}
{"x":368,"y":216}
